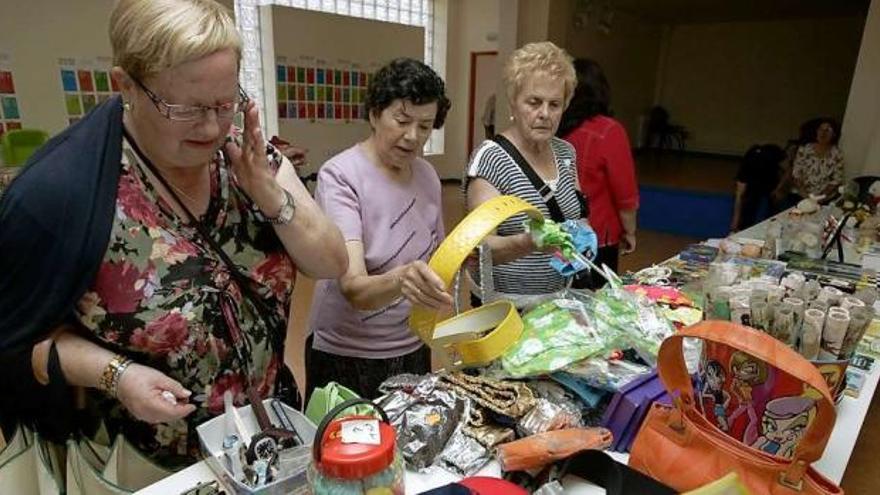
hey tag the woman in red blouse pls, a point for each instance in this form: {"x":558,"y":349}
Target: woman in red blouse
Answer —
{"x":606,"y":172}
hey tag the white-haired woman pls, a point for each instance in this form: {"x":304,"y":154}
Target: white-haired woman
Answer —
{"x":540,"y":81}
{"x":152,"y":248}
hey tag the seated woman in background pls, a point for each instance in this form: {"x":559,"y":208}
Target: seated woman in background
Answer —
{"x":386,"y":200}
{"x":540,"y":81}
{"x":784,"y":196}
{"x":605,"y":167}
{"x":818,"y":164}
{"x":149,"y":251}
{"x":757,"y":178}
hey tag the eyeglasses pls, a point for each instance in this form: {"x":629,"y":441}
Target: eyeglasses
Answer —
{"x":190,"y":113}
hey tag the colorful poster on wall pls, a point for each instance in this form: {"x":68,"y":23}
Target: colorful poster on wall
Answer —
{"x":315,"y":90}
{"x":85,"y":83}
{"x":10,"y":110}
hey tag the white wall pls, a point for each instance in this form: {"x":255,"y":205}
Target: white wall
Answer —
{"x":628,"y":54}
{"x":36,"y":34}
{"x":336,"y":38}
{"x":471,"y":22}
{"x":472,"y":26}
{"x":740,"y":83}
{"x":861,"y":125}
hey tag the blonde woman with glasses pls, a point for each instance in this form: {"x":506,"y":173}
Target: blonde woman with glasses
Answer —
{"x":150,"y":250}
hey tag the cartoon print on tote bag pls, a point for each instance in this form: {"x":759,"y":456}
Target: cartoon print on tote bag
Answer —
{"x":713,"y":389}
{"x":784,"y":423}
{"x":754,"y":402}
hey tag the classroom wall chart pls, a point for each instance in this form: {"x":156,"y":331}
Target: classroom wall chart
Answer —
{"x":314,"y":90}
{"x":10,"y":111}
{"x":85,"y":84}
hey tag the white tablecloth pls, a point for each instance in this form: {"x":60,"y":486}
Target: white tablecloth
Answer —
{"x":851,"y":414}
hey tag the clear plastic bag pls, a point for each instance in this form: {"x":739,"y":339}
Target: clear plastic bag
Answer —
{"x":628,"y":320}
{"x":577,"y":325}
{"x":606,"y":374}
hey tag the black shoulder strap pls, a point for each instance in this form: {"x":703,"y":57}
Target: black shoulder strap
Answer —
{"x":543,"y":189}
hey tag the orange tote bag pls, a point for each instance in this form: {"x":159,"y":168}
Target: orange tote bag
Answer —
{"x":678,"y":446}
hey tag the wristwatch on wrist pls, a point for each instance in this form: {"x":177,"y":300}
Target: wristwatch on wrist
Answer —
{"x":285,"y":214}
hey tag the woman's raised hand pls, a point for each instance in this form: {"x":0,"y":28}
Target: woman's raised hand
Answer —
{"x":250,"y":164}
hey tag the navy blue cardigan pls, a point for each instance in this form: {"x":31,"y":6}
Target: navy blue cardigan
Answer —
{"x":55,"y":224}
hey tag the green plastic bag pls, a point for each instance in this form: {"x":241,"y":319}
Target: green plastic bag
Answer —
{"x":325,"y":398}
{"x":555,"y":334}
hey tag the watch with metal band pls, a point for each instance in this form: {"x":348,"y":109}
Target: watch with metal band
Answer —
{"x":285,"y":214}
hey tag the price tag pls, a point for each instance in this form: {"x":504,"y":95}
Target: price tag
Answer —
{"x":364,"y":431}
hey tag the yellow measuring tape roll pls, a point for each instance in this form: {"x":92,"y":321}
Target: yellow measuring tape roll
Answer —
{"x":462,"y":340}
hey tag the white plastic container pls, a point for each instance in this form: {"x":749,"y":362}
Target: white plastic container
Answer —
{"x":211,"y":439}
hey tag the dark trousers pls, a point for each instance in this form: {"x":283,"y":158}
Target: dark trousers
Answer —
{"x":363,"y":376}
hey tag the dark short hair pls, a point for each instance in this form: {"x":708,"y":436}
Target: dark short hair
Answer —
{"x":407,"y":79}
{"x":715,"y":367}
{"x":592,"y":96}
{"x":810,"y":128}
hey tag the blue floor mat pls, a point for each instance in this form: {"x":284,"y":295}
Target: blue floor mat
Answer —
{"x":690,"y":213}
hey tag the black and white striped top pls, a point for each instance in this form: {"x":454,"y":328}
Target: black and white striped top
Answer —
{"x":531,"y":274}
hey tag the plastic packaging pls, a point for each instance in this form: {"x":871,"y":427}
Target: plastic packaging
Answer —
{"x":783,"y":325}
{"x":836,"y":325}
{"x":546,"y":416}
{"x":850,"y":302}
{"x":630,"y":320}
{"x":424,"y":417}
{"x":721,"y":303}
{"x":860,"y":318}
{"x":811,"y":335}
{"x":463,"y":454}
{"x":740,"y":313}
{"x":868,"y":295}
{"x":555,"y":334}
{"x":760,"y":314}
{"x":606,"y":374}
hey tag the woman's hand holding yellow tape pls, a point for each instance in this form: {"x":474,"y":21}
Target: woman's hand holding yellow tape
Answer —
{"x":449,"y":338}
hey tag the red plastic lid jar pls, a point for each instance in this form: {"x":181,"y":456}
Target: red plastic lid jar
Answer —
{"x":353,"y":461}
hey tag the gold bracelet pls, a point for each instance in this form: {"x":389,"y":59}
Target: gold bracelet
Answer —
{"x":109,"y":381}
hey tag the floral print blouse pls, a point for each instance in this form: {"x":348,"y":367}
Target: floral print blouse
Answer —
{"x":165,"y":299}
{"x":817,"y":172}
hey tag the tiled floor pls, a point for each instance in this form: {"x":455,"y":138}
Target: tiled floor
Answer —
{"x":710,"y":174}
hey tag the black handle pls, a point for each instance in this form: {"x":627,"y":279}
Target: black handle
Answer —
{"x":319,"y":435}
